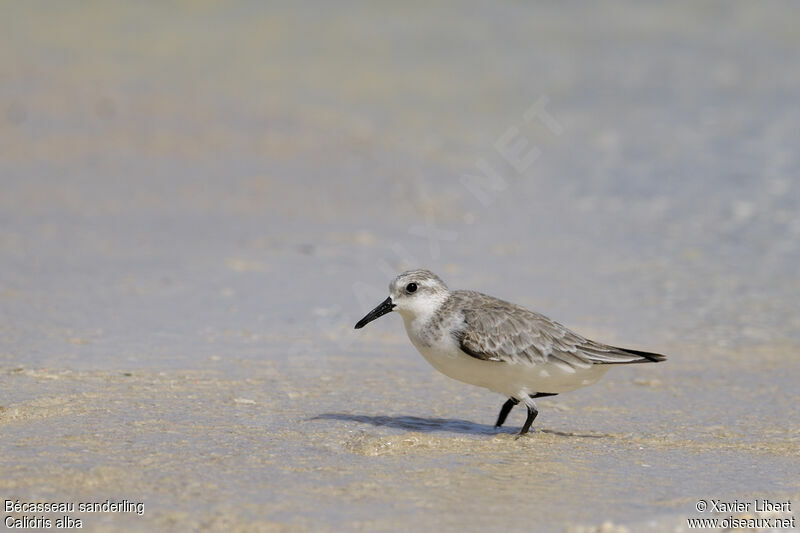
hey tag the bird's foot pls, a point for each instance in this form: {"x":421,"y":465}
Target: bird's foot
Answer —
{"x":521,"y":434}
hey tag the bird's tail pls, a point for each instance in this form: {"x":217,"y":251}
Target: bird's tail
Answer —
{"x":645,"y":357}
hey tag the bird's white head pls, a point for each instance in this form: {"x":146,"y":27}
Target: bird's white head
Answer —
{"x":415,"y":294}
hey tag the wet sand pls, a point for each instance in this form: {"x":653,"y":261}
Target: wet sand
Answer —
{"x":199,"y":201}
{"x":271,"y":446}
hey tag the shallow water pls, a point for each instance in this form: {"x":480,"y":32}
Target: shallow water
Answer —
{"x":199,"y":201}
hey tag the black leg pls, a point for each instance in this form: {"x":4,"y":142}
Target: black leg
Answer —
{"x":510,"y":403}
{"x":532,"y":412}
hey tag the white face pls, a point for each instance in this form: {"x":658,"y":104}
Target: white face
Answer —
{"x":413,"y":294}
{"x":417,"y":295}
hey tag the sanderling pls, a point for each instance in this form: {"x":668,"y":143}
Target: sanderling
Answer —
{"x":484,"y":341}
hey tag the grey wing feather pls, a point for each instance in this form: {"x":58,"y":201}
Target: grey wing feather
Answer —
{"x":495,"y":330}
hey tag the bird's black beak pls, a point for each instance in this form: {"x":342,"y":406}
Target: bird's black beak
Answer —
{"x":386,"y":306}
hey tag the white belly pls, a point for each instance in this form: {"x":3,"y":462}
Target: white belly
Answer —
{"x":509,"y":379}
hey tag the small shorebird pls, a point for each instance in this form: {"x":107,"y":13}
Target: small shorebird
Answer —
{"x":484,"y":341}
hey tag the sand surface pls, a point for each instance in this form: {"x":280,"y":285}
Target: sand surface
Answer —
{"x":198,"y":201}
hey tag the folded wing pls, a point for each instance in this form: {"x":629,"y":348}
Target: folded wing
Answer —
{"x":495,"y":330}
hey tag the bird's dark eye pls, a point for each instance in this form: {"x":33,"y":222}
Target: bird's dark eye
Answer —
{"x":411,"y":287}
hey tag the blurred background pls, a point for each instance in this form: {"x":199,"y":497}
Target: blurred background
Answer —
{"x":222,"y":189}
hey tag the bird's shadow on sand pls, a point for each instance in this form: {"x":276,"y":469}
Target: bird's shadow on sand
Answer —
{"x":427,"y":425}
